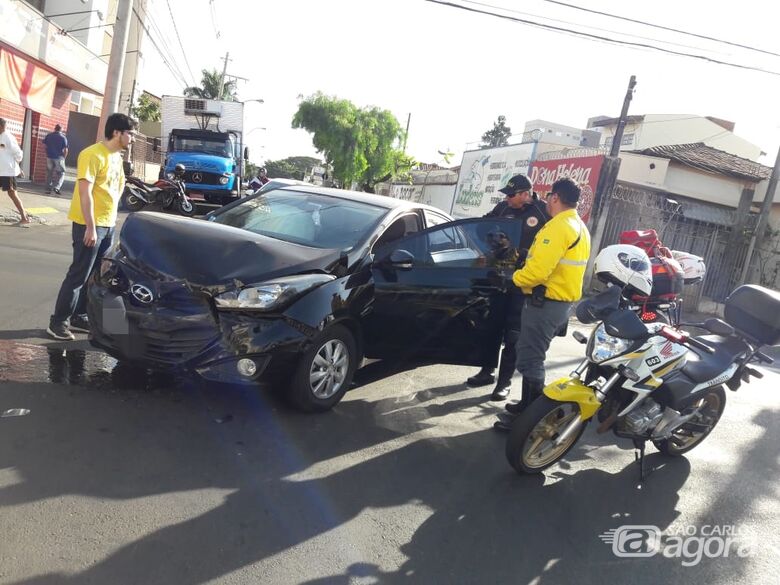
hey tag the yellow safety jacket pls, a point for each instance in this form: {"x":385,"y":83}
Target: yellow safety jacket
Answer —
{"x":555,"y":260}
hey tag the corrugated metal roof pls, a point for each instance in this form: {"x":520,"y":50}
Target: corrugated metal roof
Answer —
{"x":700,"y":156}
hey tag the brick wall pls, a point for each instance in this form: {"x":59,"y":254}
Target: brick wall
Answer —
{"x":41,"y":126}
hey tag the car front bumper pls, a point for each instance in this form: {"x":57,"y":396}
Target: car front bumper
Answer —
{"x":182,"y":331}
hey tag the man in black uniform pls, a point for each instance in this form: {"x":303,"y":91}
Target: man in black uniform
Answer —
{"x":522,"y":204}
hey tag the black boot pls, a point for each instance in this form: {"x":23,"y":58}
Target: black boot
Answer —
{"x":532,"y":389}
{"x":501,"y":391}
{"x":481,"y":378}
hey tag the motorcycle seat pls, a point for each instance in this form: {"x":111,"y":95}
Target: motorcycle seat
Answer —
{"x":702,"y":366}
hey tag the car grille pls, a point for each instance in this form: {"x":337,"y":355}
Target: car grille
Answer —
{"x":177,"y":326}
{"x":206,"y":178}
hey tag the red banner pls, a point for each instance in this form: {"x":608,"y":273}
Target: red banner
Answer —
{"x":25,"y":84}
{"x":582,"y":170}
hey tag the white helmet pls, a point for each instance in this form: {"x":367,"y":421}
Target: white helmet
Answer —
{"x":626,"y":266}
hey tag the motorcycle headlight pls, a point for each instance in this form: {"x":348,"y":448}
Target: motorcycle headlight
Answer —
{"x":604,"y":347}
{"x":270,"y":295}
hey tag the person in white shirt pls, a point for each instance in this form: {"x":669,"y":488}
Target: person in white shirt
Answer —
{"x":10,"y":157}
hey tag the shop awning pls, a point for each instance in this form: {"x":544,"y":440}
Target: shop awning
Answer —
{"x":26,"y":84}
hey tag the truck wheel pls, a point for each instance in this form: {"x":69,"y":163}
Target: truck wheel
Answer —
{"x":325,"y":371}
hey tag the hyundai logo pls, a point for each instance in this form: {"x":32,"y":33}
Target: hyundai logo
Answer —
{"x":142,"y":293}
{"x":197,"y":177}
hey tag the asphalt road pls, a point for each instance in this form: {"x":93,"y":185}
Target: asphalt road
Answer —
{"x":120,"y":476}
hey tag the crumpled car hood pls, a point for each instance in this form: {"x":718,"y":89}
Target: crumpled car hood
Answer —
{"x":208,"y":254}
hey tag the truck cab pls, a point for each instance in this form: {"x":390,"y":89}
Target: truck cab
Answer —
{"x":212,"y":161}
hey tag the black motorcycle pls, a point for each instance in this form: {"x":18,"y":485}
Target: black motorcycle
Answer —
{"x":167,"y":193}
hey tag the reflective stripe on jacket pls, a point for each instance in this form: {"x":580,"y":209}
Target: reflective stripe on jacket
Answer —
{"x":553,"y":263}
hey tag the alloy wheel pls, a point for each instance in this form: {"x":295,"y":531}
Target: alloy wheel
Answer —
{"x":540,"y":449}
{"x":329,"y":369}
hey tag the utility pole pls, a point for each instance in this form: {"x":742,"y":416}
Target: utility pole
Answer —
{"x":116,"y":63}
{"x":606,"y":184}
{"x":406,"y":134}
{"x":618,"y":138}
{"x":222,"y":77}
{"x":766,"y":207}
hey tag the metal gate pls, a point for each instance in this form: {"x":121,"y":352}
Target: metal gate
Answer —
{"x":686,"y":225}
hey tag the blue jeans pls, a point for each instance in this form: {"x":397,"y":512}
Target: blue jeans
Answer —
{"x":55,"y":172}
{"x":72,"y":298}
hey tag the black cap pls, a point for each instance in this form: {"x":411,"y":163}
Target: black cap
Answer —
{"x":516,"y":184}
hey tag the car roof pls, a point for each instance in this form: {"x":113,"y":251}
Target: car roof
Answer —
{"x":383,"y":201}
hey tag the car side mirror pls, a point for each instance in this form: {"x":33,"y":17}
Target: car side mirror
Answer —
{"x":401,"y":260}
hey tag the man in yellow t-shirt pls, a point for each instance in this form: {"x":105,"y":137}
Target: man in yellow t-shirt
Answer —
{"x":93,"y":209}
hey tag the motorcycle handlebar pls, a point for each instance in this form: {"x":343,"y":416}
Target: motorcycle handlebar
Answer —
{"x":764,"y":358}
{"x":702,"y":346}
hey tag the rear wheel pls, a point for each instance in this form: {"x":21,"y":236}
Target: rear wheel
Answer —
{"x":185,"y":206}
{"x":693,"y":432}
{"x":325,"y":371}
{"x":531,"y":446}
{"x":132,"y":202}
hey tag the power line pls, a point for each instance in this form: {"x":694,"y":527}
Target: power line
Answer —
{"x":698,"y":36}
{"x":162,"y":39}
{"x":214,"y":19}
{"x":181,"y":46}
{"x":588,"y":26}
{"x":602,"y":38}
{"x":179,"y":76}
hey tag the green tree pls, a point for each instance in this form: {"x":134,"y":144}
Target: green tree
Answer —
{"x":210,"y":87}
{"x":498,"y":135}
{"x":360,"y":144}
{"x":147,"y":109}
{"x":292,"y":167}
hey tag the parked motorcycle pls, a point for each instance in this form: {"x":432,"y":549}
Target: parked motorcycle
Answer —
{"x":646,"y":382}
{"x":168,"y":193}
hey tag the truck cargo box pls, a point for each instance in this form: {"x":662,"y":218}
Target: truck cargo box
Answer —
{"x":755,"y":311}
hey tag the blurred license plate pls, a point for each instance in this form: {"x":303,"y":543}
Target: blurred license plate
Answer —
{"x":196,"y":196}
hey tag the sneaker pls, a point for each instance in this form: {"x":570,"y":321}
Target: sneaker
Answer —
{"x":60,"y":332}
{"x":79,"y":323}
{"x":57,"y":191}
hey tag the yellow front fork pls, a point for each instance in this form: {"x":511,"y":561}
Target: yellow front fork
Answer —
{"x":573,"y":390}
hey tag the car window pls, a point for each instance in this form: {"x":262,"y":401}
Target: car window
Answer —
{"x":473,"y":243}
{"x":311,"y":219}
{"x":400,"y":228}
{"x":432,"y":218}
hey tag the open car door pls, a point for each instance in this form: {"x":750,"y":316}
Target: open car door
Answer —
{"x":440,"y":294}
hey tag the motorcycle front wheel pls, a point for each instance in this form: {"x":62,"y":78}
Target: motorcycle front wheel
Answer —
{"x":531,"y":446}
{"x":185,"y":207}
{"x":693,"y":432}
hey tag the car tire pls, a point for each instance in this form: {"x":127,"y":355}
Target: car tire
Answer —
{"x":324,"y":372}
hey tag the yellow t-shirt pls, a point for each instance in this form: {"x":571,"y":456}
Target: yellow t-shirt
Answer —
{"x":103,"y":169}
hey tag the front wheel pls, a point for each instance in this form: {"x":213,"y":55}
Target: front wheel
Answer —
{"x":693,"y":432}
{"x":185,"y":206}
{"x":531,"y":446}
{"x":325,"y":371}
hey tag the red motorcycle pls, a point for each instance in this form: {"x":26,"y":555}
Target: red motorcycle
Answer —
{"x":167,"y":193}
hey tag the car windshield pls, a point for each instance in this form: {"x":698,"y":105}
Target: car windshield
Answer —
{"x":310,"y":219}
{"x":220,"y":146}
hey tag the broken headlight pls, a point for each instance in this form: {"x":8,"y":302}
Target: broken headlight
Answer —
{"x":272,"y":294}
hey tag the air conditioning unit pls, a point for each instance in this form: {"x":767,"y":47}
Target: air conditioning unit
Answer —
{"x":200,"y":107}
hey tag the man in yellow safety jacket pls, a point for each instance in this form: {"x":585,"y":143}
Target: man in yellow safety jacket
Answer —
{"x":552,"y":280}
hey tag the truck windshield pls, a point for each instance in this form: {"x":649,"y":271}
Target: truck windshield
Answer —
{"x":217,"y":146}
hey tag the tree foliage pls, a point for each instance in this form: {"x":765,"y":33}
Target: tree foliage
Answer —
{"x":498,"y":135}
{"x":147,"y":109}
{"x":360,"y":144}
{"x":210,"y":87}
{"x":292,"y":167}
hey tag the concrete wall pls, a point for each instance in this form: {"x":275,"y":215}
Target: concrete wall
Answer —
{"x":665,"y":129}
{"x":646,"y":171}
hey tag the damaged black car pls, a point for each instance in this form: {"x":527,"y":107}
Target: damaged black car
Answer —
{"x":296,"y":286}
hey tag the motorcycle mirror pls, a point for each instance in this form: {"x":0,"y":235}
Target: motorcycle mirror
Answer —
{"x":401,"y":260}
{"x":179,"y":169}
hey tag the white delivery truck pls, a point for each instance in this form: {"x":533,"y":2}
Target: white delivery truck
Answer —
{"x":206,"y":136}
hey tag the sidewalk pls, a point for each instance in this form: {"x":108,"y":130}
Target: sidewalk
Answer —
{"x":48,"y":209}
